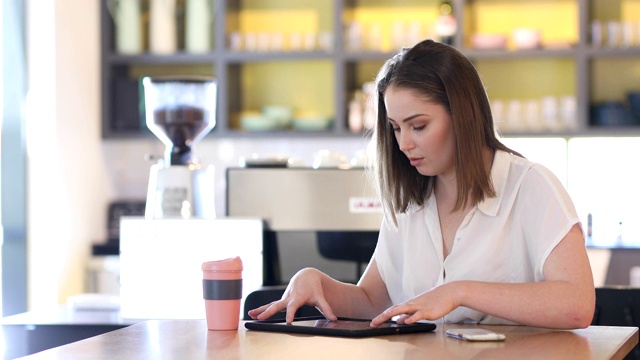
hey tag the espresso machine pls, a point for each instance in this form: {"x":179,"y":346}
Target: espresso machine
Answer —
{"x":327,"y":218}
{"x":180,"y":111}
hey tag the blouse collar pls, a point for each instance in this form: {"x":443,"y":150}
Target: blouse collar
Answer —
{"x":499,"y":173}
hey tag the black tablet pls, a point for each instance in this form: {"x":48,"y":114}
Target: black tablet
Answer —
{"x":344,"y":327}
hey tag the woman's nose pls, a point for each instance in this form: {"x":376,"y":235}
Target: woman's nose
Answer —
{"x":404,"y":142}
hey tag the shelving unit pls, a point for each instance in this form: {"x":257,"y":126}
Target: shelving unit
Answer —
{"x":338,"y":72}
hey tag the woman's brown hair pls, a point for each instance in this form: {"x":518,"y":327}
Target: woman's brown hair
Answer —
{"x":444,"y":76}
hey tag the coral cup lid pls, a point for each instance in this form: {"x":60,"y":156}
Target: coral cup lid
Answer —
{"x":231,"y":264}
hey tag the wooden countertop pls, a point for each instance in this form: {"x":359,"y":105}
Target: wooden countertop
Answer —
{"x":190,"y":339}
{"x":63,"y":315}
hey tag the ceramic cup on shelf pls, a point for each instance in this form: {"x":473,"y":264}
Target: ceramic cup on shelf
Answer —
{"x":222,"y":292}
{"x":596,"y":33}
{"x":613,"y":34}
{"x":325,"y":41}
{"x":162,"y":27}
{"x":296,"y":41}
{"x":309,"y":41}
{"x":276,"y":41}
{"x":235,"y":41}
{"x":263,"y":43}
{"x":198,"y":26}
{"x":569,"y":112}
{"x":251,"y":41}
{"x":626,"y":34}
{"x":126,"y":17}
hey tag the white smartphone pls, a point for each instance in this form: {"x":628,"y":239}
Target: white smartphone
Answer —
{"x":475,"y":335}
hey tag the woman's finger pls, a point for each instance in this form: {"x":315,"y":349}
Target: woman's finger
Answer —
{"x":384,"y":316}
{"x":292,"y":308}
{"x":266,"y":311}
{"x":326,"y":310}
{"x":403,"y":319}
{"x":395,"y":310}
{"x":257,"y":311}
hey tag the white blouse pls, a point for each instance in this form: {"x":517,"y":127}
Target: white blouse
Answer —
{"x":503,"y":239}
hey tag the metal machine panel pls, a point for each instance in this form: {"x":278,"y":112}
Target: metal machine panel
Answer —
{"x":305,"y":199}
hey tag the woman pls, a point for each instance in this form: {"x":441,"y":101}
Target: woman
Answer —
{"x":473,"y":232}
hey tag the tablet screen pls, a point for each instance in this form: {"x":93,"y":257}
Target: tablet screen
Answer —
{"x":342,"y":327}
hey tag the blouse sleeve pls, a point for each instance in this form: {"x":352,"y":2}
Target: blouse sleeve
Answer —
{"x":386,"y":255}
{"x":548,"y":214}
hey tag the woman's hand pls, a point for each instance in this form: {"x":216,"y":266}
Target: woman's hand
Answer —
{"x":430,"y":305}
{"x":305,"y":288}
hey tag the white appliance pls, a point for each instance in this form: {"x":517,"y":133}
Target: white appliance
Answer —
{"x":180,"y":111}
{"x":103,"y":275}
{"x":160,"y":260}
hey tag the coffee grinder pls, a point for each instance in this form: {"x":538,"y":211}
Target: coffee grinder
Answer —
{"x":180,"y":111}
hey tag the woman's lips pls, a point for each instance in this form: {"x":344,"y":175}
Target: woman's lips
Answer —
{"x":415,"y":161}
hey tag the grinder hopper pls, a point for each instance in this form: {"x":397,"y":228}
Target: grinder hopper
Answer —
{"x":180,"y":111}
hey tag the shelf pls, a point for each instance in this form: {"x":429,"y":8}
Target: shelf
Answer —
{"x":287,"y":134}
{"x":520,"y":54}
{"x":601,"y":52}
{"x":578,"y":69}
{"x":354,"y":56}
{"x":147,"y":58}
{"x":594,"y":131}
{"x":245,"y":57}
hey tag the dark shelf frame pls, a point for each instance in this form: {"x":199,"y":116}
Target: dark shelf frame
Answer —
{"x":225,"y":62}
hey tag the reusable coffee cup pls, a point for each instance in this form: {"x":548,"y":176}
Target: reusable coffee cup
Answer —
{"x":222,"y":292}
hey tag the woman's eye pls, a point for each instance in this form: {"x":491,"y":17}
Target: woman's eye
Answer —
{"x":417,"y":128}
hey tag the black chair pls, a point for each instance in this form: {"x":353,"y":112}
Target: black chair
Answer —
{"x":268,"y":294}
{"x":618,"y":306}
{"x":357,"y":246}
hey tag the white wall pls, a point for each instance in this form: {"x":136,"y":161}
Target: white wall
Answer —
{"x":74,"y":173}
{"x":68,"y":182}
{"x":604,"y":178}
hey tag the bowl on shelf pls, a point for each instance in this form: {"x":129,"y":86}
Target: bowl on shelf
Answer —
{"x":526,"y":38}
{"x":280,"y":114}
{"x":254,"y":121}
{"x":487,"y":41}
{"x":318,"y":123}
